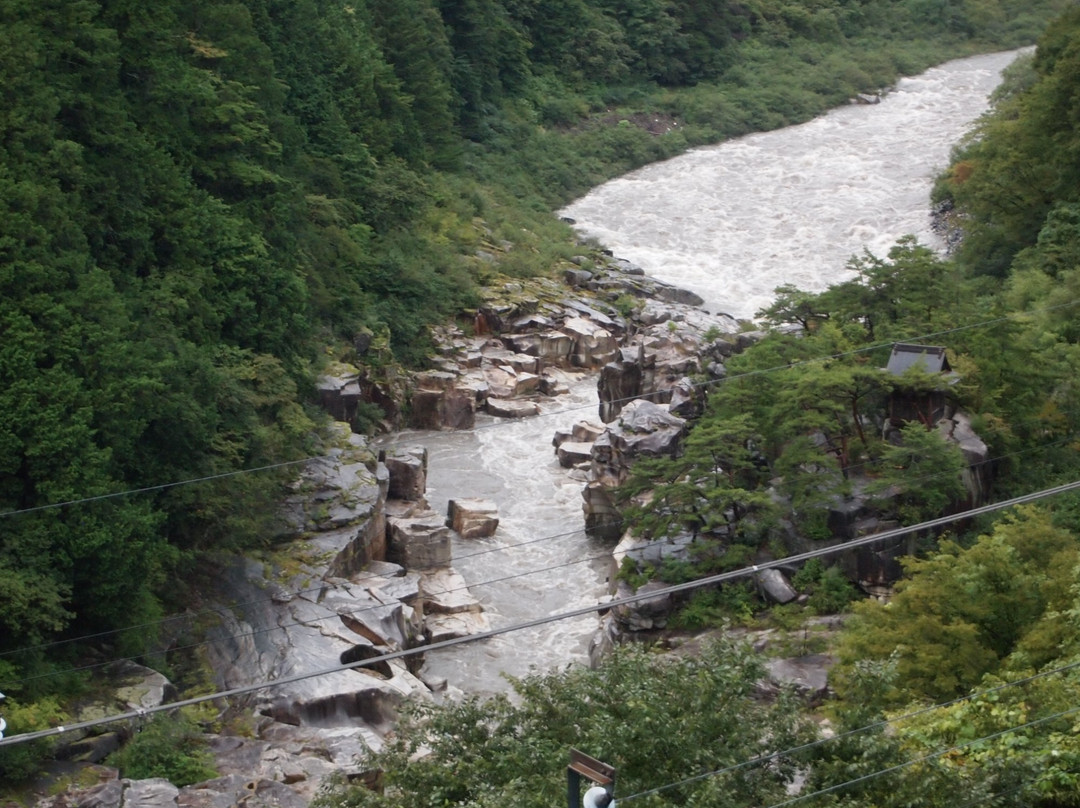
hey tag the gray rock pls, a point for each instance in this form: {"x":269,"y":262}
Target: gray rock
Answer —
{"x":445,"y":592}
{"x":155,"y":793}
{"x":408,"y":473}
{"x":602,"y":518}
{"x":106,"y":795}
{"x":776,"y":586}
{"x":593,"y":345}
{"x":809,"y":675}
{"x":506,"y":408}
{"x":419,"y":543}
{"x":472,"y":518}
{"x":577,"y":277}
{"x":571,"y":453}
{"x":649,"y":613}
{"x":440,"y":627}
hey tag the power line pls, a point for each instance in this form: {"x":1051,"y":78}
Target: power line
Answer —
{"x":571,"y":614}
{"x":495,"y":424}
{"x":925,"y":758}
{"x":763,"y":759}
{"x":298,"y":593}
{"x":161,"y":486}
{"x":335,"y":615}
{"x":292,"y":594}
{"x":564,"y":411}
{"x":301,"y":592}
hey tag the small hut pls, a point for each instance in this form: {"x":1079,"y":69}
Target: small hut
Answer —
{"x":926,"y":404}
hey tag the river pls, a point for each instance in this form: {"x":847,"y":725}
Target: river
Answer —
{"x":730,"y":222}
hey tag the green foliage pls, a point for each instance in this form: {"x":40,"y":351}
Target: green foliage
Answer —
{"x":704,"y":610}
{"x":1019,"y":163}
{"x":829,"y":589}
{"x":169,"y":746}
{"x":832,"y":593}
{"x":20,"y":762}
{"x":961,"y":613}
{"x":714,"y":487}
{"x":194,"y":197}
{"x":921,"y":475}
{"x":655,"y":719}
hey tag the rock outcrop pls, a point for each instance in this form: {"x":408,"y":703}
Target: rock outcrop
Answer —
{"x":642,"y":429}
{"x":472,"y":518}
{"x":643,"y":333}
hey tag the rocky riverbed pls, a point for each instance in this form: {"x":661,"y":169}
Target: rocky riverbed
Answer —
{"x":363,"y":565}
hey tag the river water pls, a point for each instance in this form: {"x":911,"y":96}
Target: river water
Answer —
{"x":540,"y":562}
{"x":730,"y":222}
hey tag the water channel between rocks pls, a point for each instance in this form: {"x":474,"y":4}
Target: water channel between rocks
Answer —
{"x":540,"y":562}
{"x":729,"y":222}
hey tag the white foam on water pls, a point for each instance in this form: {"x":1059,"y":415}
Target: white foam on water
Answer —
{"x":732,"y":222}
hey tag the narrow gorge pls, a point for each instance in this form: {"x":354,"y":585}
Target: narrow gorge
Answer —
{"x":473,"y":517}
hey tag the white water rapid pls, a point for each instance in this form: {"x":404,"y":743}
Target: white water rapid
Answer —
{"x":730,"y":222}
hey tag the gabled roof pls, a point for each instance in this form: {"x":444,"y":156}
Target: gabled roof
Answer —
{"x":930,"y":358}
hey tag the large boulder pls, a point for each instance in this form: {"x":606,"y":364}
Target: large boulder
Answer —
{"x":420,"y":542}
{"x":776,"y":586}
{"x":571,"y":453}
{"x":620,"y":381}
{"x":440,"y":403}
{"x":472,"y":518}
{"x":508,"y":408}
{"x":593,"y":345}
{"x":643,"y":429}
{"x":807,"y":675}
{"x":408,"y":473}
{"x":602,"y":517}
{"x":650,"y":612}
{"x":451,"y":611}
{"x":550,"y":347}
{"x":340,"y":394}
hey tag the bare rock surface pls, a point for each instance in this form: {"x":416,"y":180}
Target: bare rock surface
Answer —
{"x":420,"y":542}
{"x":472,"y":518}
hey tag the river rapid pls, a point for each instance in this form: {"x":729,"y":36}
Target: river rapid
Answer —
{"x":730,"y":222}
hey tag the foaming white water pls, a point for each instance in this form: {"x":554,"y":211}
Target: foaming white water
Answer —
{"x":539,"y":562}
{"x":732,"y":222}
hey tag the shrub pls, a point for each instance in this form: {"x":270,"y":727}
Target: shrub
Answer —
{"x":20,"y":762}
{"x":170,"y":746}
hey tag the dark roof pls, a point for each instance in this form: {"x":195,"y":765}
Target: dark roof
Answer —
{"x":904,"y":356}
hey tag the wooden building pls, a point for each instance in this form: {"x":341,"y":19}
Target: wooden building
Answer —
{"x":926,"y":400}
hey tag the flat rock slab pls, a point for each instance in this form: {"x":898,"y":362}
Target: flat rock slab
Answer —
{"x":504,"y":408}
{"x":439,"y":627}
{"x":571,"y":453}
{"x":809,"y":674}
{"x":445,"y":592}
{"x":473,"y":518}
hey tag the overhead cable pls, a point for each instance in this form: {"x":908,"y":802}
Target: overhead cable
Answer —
{"x":573,"y":613}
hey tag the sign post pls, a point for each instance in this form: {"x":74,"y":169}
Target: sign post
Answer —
{"x":581,"y":765}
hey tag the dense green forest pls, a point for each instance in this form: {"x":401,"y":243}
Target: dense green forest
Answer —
{"x":201,"y":202}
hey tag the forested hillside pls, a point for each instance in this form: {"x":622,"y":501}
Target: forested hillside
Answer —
{"x":202,"y":201}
